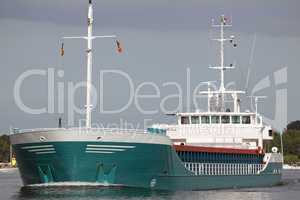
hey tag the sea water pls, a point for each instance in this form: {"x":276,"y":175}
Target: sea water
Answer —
{"x":11,"y":189}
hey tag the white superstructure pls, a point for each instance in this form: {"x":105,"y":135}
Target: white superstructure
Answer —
{"x":222,"y":125}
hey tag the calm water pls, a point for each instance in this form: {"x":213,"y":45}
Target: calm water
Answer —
{"x":10,"y":189}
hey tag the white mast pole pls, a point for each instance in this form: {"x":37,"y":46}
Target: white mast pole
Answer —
{"x":89,"y":53}
{"x":208,"y":97}
{"x":89,"y":66}
{"x":222,"y":88}
{"x":222,"y":91}
{"x":222,"y":56}
{"x":256,"y":99}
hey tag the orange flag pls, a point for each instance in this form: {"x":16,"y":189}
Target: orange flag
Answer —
{"x":119,"y":48}
{"x":62,"y":51}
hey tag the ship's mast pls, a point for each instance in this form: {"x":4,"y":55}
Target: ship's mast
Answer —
{"x":222,"y":91}
{"x":89,"y":54}
{"x":222,"y":88}
{"x":89,"y":67}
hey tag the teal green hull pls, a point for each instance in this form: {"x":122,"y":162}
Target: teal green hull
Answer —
{"x":154,"y":166}
{"x":208,"y":182}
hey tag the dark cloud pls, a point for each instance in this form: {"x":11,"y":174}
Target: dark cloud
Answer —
{"x":273,"y":17}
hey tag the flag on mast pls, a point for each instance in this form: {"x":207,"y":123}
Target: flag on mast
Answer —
{"x":62,"y":51}
{"x":224,"y":20}
{"x":119,"y":48}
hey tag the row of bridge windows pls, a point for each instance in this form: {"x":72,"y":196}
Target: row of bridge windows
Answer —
{"x":216,"y":119}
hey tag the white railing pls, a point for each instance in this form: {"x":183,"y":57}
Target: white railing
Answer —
{"x":83,"y":130}
{"x":223,"y":168}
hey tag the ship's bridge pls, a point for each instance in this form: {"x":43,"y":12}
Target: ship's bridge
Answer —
{"x":220,"y":129}
{"x":219,"y":118}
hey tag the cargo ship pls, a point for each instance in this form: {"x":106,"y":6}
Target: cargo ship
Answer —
{"x":220,"y":148}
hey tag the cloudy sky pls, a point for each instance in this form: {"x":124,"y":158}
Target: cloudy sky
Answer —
{"x":161,"y":39}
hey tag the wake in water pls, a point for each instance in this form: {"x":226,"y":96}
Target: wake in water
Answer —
{"x":88,"y":191}
{"x":74,"y":184}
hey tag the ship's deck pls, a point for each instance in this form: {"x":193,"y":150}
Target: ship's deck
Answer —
{"x":77,"y":129}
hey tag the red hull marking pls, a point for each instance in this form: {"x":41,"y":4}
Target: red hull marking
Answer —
{"x":215,"y":149}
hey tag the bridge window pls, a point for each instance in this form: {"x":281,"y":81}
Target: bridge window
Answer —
{"x":270,"y":133}
{"x":225,"y":119}
{"x":195,"y":120}
{"x":215,"y":119}
{"x":246,"y":119}
{"x":235,"y":119}
{"x":205,"y":120}
{"x":185,"y":120}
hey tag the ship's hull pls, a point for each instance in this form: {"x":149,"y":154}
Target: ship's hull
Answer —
{"x":130,"y":160}
{"x":209,"y":182}
{"x":129,"y":164}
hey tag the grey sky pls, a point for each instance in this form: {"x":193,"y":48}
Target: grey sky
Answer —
{"x":161,"y":39}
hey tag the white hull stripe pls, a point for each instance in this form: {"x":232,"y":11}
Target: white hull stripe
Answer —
{"x":35,"y":147}
{"x":45,"y":152}
{"x":99,"y":152}
{"x":38,"y":150}
{"x":89,"y":136}
{"x":105,"y":149}
{"x":112,"y":146}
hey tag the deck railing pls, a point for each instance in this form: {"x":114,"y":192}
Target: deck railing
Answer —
{"x":83,"y":130}
{"x":223,"y":168}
